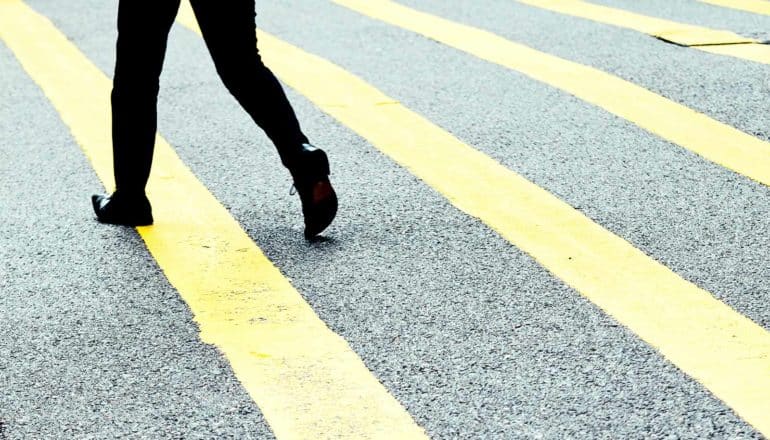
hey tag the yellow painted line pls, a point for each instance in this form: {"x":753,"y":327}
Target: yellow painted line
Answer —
{"x":755,"y":6}
{"x":725,"y":351}
{"x":306,"y":380}
{"x":679,"y":33}
{"x":715,"y":141}
{"x":752,"y":52}
{"x":701,"y":38}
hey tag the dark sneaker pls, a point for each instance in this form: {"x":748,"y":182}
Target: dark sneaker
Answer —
{"x":311,"y":179}
{"x":117,"y":210}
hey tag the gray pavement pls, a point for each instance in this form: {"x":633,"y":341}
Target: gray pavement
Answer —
{"x":471,"y":335}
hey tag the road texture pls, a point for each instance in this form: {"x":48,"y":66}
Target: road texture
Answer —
{"x":470,"y":334}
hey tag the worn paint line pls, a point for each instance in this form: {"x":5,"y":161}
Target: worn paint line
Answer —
{"x":754,"y":6}
{"x":725,"y":351}
{"x":701,"y":38}
{"x":679,"y":33}
{"x":715,"y":141}
{"x":305,"y":378}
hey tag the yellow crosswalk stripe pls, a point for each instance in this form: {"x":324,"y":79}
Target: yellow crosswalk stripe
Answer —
{"x":755,"y":6}
{"x":679,"y":33}
{"x":715,"y":141}
{"x":305,"y":378}
{"x":725,"y":351}
{"x":701,"y":38}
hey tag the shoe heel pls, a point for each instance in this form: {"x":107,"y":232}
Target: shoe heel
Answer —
{"x":319,"y":162}
{"x":311,"y":164}
{"x":324,"y":165}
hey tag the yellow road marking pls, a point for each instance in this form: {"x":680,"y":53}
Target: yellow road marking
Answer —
{"x":755,"y":6}
{"x":679,"y":33}
{"x":719,"y":347}
{"x":717,"y":142}
{"x":701,"y":38}
{"x":306,"y":379}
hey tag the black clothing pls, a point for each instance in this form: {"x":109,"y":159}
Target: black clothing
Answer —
{"x":229,"y":32}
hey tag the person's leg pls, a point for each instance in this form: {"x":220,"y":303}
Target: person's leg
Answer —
{"x":142,"y":34}
{"x":143,"y":29}
{"x":230,"y":33}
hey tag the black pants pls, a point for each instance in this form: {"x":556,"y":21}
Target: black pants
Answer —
{"x":229,"y":31}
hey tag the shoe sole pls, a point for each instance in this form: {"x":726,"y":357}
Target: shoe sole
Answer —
{"x":326,"y":210}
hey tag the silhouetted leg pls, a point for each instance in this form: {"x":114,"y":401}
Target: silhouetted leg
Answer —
{"x":230,"y":33}
{"x":143,"y":28}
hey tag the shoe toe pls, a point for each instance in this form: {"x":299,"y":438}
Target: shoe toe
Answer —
{"x":98,"y":201}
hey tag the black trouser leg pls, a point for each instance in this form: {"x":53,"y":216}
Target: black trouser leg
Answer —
{"x":143,"y":28}
{"x":230,"y":33}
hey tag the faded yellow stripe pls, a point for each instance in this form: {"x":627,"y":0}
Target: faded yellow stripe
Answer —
{"x":701,"y":38}
{"x":717,"y":142}
{"x":755,"y":6}
{"x":679,"y":33}
{"x":759,"y":53}
{"x":722,"y":349}
{"x":306,"y":380}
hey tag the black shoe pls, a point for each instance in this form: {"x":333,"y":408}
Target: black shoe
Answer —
{"x":118,"y":210}
{"x":311,"y":179}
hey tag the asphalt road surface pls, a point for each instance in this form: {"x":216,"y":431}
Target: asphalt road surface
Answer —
{"x":556,"y":228}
